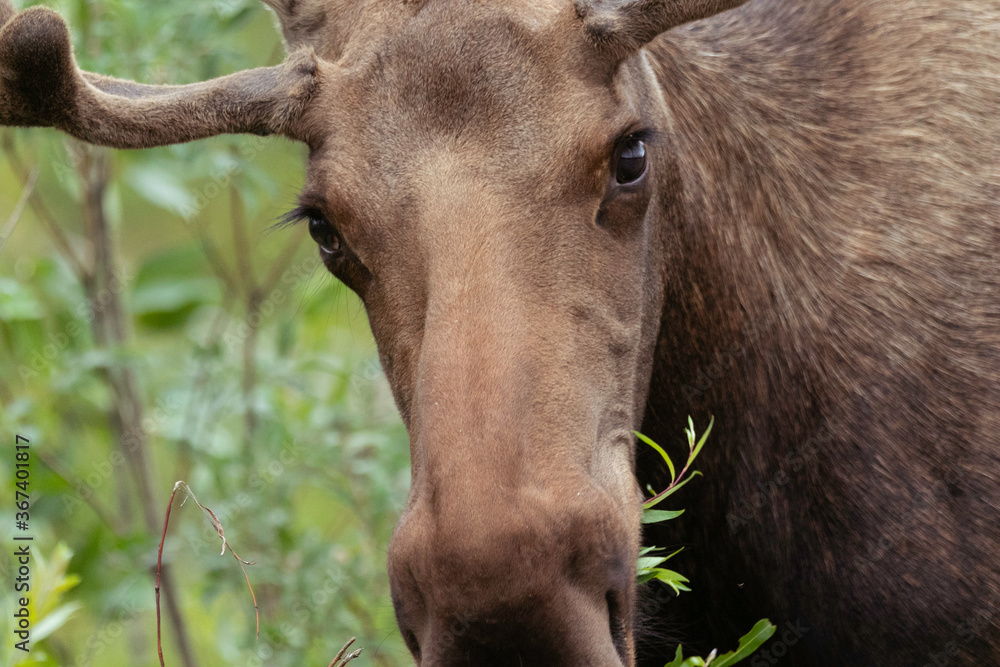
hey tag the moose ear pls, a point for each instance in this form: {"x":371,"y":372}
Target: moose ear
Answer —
{"x":622,"y":27}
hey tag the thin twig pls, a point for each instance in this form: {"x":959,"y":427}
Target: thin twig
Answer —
{"x":282,"y":263}
{"x":72,"y":480}
{"x":55,"y":231}
{"x":217,"y":264}
{"x":15,"y":217}
{"x":159,"y":569}
{"x":241,"y":243}
{"x":337,"y":662}
{"x":225,"y":546}
{"x":337,"y":657}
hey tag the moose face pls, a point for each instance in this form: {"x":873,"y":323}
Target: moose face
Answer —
{"x":486,"y":183}
{"x":494,"y":181}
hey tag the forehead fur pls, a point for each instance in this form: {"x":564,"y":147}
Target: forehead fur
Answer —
{"x":331,"y":26}
{"x":463,"y":73}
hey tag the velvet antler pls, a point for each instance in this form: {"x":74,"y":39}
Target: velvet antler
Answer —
{"x":622,"y":27}
{"x":41,"y":86}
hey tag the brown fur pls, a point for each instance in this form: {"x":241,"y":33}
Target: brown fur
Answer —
{"x":811,"y":258}
{"x":40,"y":85}
{"x":622,"y":28}
{"x":842,"y":228}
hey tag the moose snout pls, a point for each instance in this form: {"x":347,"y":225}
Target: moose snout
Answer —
{"x":526,"y":579}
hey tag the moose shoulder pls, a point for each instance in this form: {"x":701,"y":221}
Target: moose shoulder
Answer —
{"x":834,"y":301}
{"x":569,"y":220}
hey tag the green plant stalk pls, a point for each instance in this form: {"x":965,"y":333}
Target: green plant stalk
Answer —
{"x":648,"y":566}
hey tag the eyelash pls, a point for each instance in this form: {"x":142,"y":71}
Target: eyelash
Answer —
{"x":305,"y":212}
{"x":647,"y":135}
{"x":322,"y":231}
{"x":300,"y":213}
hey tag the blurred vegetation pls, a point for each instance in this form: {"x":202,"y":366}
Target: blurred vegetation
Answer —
{"x":154,"y":329}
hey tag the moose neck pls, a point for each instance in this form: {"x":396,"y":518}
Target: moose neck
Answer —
{"x":766,"y":219}
{"x":766,"y":204}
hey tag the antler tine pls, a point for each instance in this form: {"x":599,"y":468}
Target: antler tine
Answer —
{"x":7,"y":12}
{"x":303,"y":22}
{"x":41,"y":86}
{"x":623,"y":27}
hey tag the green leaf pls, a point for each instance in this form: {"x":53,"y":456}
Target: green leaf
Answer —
{"x":657,"y":516}
{"x":678,"y":660}
{"x":649,"y":562}
{"x":675,"y":580}
{"x":666,"y":459}
{"x":53,"y":621}
{"x":169,"y":287}
{"x":749,"y":643}
{"x":704,"y":437}
{"x":17,"y":303}
{"x":647,"y":570}
{"x":172,"y":296}
{"x":162,"y":187}
{"x":187,"y":261}
{"x":674,"y":553}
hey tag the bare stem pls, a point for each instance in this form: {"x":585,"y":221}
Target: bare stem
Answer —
{"x":159,"y":572}
{"x":340,"y":659}
{"x":38,"y":206}
{"x":110,"y":329}
{"x":63,"y":472}
{"x":252,"y":301}
{"x":22,"y":201}
{"x":225,"y":547}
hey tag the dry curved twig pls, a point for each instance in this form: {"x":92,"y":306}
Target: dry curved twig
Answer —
{"x":225,"y":545}
{"x":340,"y":659}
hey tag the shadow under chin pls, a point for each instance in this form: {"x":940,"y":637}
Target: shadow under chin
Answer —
{"x":659,"y":630}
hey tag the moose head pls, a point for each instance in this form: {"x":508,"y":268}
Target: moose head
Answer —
{"x":495,"y":182}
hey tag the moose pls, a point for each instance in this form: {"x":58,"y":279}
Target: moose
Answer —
{"x":569,"y":220}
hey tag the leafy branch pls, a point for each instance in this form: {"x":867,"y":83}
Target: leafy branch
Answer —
{"x":749,"y":643}
{"x":649,"y":562}
{"x":648,"y":566}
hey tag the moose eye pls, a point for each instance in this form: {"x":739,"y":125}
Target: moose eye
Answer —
{"x":324,"y":234}
{"x":631,"y":161}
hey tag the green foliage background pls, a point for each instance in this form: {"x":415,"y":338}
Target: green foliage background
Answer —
{"x":255,"y":371}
